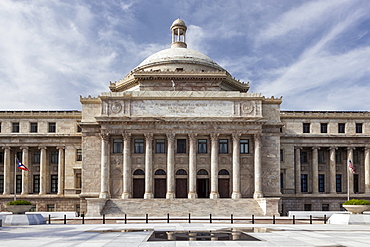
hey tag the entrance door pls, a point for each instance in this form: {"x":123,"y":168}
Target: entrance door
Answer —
{"x":159,"y":188}
{"x":138,"y":188}
{"x":181,"y":188}
{"x":223,"y":187}
{"x":203,"y":187}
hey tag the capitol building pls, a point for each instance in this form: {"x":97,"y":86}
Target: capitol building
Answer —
{"x":179,"y":134}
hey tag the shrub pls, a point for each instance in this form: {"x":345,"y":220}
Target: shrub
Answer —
{"x":357,"y":202}
{"x":19,"y":202}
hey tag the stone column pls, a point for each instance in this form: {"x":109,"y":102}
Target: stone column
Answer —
{"x":61,"y":170}
{"x":7,"y":174}
{"x":367,"y":170}
{"x":170,"y":166}
{"x":127,"y":174}
{"x":43,"y":171}
{"x":25,"y":174}
{"x":349,"y":173}
{"x":214,"y":166}
{"x":298,"y":170}
{"x":257,"y":167}
{"x":104,"y":176}
{"x":315,"y":170}
{"x":236,"y":166}
{"x":332,"y":171}
{"x":192,"y":166}
{"x":148,"y":166}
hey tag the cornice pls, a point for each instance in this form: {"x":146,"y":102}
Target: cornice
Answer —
{"x":324,"y":114}
{"x":41,"y":114}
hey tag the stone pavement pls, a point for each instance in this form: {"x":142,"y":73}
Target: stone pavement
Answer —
{"x":100,"y":235}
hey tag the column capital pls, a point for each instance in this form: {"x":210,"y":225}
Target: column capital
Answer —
{"x":316,"y":148}
{"x":351,"y":148}
{"x":366,"y":148}
{"x":61,"y":147}
{"x":6,"y":148}
{"x":105,"y":136}
{"x":257,"y":136}
{"x":126,"y":136}
{"x":236,"y":136}
{"x":25,"y":148}
{"x":192,"y":137}
{"x":333,"y":148}
{"x":298,"y":148}
{"x":148,"y":136}
{"x":214,"y":136}
{"x":43,"y":147}
{"x":170,"y":137}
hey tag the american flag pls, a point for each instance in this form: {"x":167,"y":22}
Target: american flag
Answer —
{"x":351,"y":167}
{"x":20,"y":165}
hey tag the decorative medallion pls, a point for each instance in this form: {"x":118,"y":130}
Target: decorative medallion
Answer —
{"x":244,"y":160}
{"x":116,"y":107}
{"x":247,"y":108}
{"x":223,"y":160}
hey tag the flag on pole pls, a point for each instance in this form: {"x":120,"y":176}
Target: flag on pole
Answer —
{"x":20,"y":165}
{"x":351,"y":167}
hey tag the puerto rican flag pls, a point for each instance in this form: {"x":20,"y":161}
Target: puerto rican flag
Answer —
{"x":20,"y":165}
{"x":351,"y":167}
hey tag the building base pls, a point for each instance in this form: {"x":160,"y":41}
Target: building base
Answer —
{"x":22,"y":219}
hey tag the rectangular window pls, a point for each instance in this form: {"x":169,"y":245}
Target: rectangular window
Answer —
{"x":306,"y":127}
{"x":355,"y":157}
{"x":50,"y":208}
{"x":202,"y":146}
{"x":78,"y":180}
{"x":33,"y":127}
{"x":281,"y":155}
{"x":117,"y":146}
{"x":358,"y":127}
{"x":244,"y":146}
{"x":139,"y":146}
{"x":54,"y":157}
{"x":36,"y":157}
{"x":341,"y":128}
{"x":338,"y":182}
{"x":325,"y":207}
{"x":79,"y":155}
{"x":308,"y":207}
{"x":36,"y":183}
{"x":19,"y":156}
{"x":181,"y":146}
{"x":160,"y":146}
{"x":321,"y":183}
{"x":324,"y":128}
{"x":356,"y":183}
{"x":18,"y":183}
{"x":15,"y":127}
{"x":79,"y":129}
{"x":223,"y":146}
{"x":1,"y":157}
{"x":54,"y":184}
{"x":281,"y":180}
{"x":1,"y":184}
{"x":338,"y":157}
{"x":52,"y":127}
{"x":321,"y":156}
{"x":304,"y":157}
{"x":304,"y":183}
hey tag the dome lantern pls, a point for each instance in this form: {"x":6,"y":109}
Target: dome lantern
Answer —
{"x":178,"y":29}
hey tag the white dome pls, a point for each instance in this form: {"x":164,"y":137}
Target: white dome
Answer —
{"x":178,"y":56}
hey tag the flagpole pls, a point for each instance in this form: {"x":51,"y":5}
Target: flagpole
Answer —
{"x":15,"y":177}
{"x":347,"y":183}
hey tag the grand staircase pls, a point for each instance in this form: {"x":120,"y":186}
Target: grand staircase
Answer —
{"x":182,"y":207}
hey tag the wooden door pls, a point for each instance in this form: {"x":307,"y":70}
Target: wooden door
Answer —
{"x":160,"y":188}
{"x":203,"y":187}
{"x":181,"y":187}
{"x":138,"y":188}
{"x":224,"y":187}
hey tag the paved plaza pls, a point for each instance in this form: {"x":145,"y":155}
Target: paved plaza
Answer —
{"x":115,"y":235}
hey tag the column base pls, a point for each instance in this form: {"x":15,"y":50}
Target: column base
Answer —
{"x":213,"y":195}
{"x":42,"y":193}
{"x":192,"y":195}
{"x":170,"y":195}
{"x":126,"y":195}
{"x":104,"y":195}
{"x":148,"y":196}
{"x":236,"y":195}
{"x":6,"y":194}
{"x":257,"y":194}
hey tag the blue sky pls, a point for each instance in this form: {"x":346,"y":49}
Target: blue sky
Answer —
{"x":316,"y":54}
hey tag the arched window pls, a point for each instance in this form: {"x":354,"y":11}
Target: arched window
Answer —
{"x":181,"y":172}
{"x":139,"y":172}
{"x":202,"y":172}
{"x":223,"y":172}
{"x":160,"y":172}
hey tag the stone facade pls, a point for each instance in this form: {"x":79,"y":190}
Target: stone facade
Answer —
{"x":178,"y":133}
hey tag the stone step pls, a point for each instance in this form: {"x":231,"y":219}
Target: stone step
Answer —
{"x":182,"y":207}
